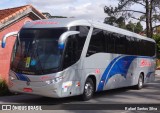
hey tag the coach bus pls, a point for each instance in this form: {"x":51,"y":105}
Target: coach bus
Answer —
{"x":68,"y":57}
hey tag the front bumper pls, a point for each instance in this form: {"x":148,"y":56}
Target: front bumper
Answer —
{"x":38,"y":88}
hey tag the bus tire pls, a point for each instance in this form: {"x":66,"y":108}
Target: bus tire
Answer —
{"x":88,"y":90}
{"x":140,"y":82}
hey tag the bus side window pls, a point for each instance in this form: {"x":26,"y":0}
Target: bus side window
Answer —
{"x":152,"y":49}
{"x":97,"y":43}
{"x":106,"y":36}
{"x":111,"y":43}
{"x":131,"y":46}
{"x":70,"y":52}
{"x":138,"y":47}
{"x":120,"y":44}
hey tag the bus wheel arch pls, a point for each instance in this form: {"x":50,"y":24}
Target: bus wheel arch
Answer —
{"x":94,"y":80}
{"x":142,"y":75}
{"x":89,"y":87}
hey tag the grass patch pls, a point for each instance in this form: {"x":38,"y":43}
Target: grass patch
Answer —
{"x":4,"y":91}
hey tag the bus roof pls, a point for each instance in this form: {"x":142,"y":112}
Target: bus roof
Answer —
{"x":67,"y":22}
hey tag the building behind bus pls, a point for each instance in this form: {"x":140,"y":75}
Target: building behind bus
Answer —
{"x":12,"y":19}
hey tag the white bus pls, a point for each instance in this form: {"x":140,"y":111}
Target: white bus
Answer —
{"x":67,"y":57}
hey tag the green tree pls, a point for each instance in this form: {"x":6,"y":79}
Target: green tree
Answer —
{"x":138,"y":28}
{"x":110,"y":20}
{"x":119,"y":22}
{"x":124,"y":9}
{"x":134,"y":27}
{"x":4,"y":88}
{"x":156,"y":37}
{"x":130,"y":26}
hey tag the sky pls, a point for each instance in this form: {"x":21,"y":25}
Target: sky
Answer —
{"x":87,"y":9}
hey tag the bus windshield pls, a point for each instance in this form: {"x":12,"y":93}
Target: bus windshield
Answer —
{"x":36,"y":51}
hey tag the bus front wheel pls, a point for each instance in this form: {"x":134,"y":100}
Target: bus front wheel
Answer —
{"x":88,"y":89}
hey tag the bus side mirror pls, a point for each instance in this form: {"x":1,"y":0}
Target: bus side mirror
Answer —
{"x":6,"y":36}
{"x":64,"y":37}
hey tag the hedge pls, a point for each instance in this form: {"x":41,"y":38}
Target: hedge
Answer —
{"x":4,"y":88}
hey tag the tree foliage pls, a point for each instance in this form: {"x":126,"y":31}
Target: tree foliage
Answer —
{"x":138,"y":28}
{"x":150,"y":14}
{"x":110,"y":20}
{"x":130,"y":26}
{"x":156,"y":37}
{"x":120,"y":22}
{"x":4,"y":88}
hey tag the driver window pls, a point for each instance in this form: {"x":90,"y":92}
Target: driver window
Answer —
{"x":74,"y":45}
{"x":70,"y":56}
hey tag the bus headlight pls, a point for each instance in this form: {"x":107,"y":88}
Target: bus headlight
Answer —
{"x":48,"y":81}
{"x":55,"y":80}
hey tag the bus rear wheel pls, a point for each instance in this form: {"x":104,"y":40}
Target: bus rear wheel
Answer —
{"x":88,"y":90}
{"x":140,"y":82}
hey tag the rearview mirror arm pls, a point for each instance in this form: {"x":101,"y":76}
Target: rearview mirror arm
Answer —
{"x":6,"y":36}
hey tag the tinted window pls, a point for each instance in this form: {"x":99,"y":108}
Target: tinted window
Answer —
{"x":153,"y":49}
{"x":74,"y":45}
{"x":120,"y":44}
{"x":38,"y":52}
{"x":132,"y":49}
{"x":81,"y":38}
{"x":97,"y":42}
{"x":111,"y":43}
{"x":138,"y":42}
{"x":70,"y":56}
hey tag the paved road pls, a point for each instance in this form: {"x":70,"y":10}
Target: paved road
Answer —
{"x":150,"y":94}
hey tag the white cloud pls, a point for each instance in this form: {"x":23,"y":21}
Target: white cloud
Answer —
{"x":88,"y":9}
{"x":4,"y":4}
{"x":49,"y":2}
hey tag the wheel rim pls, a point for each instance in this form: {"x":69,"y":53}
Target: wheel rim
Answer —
{"x":140,"y":82}
{"x":88,"y":89}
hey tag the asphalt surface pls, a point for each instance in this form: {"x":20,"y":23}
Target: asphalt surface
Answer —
{"x":150,"y":94}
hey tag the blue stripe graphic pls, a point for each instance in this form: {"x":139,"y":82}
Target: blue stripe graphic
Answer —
{"x":118,"y":66}
{"x":103,"y":78}
{"x":149,"y":74}
{"x":22,"y":77}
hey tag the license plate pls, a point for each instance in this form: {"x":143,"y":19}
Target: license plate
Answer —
{"x":27,"y":90}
